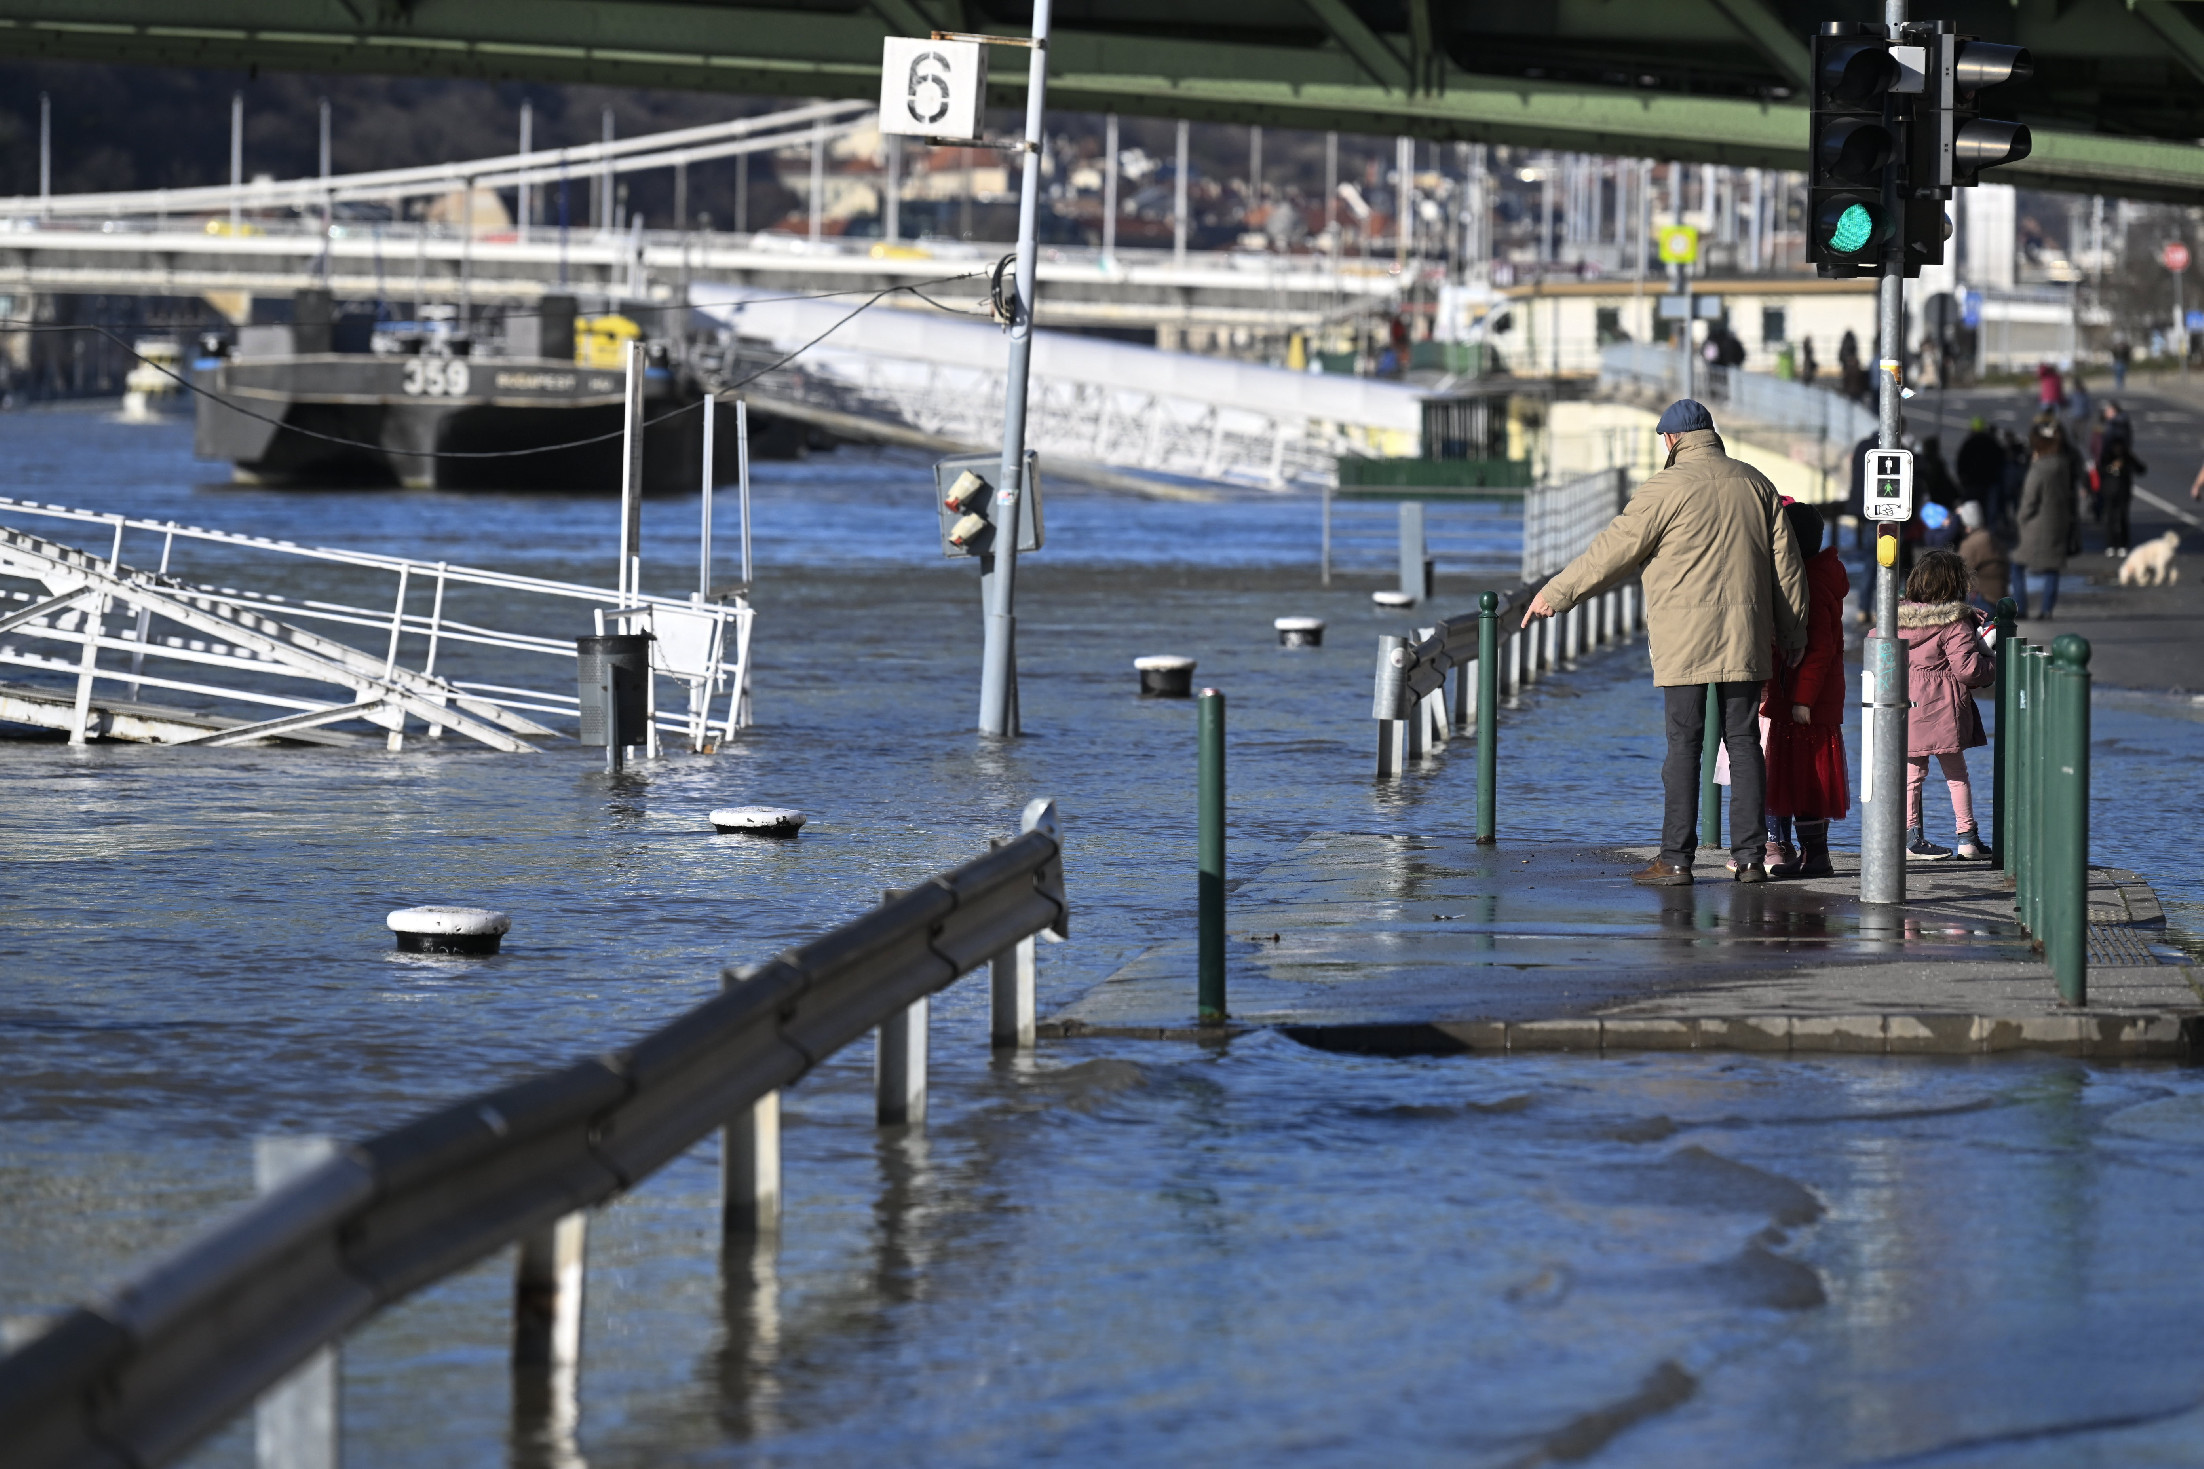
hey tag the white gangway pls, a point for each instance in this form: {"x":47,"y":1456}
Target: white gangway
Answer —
{"x":245,"y":653}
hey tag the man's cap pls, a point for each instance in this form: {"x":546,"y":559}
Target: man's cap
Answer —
{"x":1684,"y":415}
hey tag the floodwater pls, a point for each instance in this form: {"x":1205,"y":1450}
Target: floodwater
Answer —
{"x":1115,"y":1251}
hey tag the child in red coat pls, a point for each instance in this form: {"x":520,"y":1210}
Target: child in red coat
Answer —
{"x":1804,"y":710}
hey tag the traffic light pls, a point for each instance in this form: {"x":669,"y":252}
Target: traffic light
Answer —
{"x":1851,"y":208}
{"x":964,"y":487}
{"x":1953,"y":142}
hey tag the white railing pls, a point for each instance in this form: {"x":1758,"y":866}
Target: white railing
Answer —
{"x":1559,"y":521}
{"x":263,"y":639}
{"x":1754,"y":397}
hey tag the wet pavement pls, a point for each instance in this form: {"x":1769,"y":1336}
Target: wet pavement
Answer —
{"x":1400,"y":943}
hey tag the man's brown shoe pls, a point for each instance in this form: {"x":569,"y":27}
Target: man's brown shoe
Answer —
{"x":1661,"y":874}
{"x":1752,"y":872}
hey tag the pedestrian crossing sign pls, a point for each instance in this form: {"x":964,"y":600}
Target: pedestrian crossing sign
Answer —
{"x":1889,"y":484}
{"x":1679,"y":244}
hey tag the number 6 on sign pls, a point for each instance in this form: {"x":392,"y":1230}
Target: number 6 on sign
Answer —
{"x":932,"y":89}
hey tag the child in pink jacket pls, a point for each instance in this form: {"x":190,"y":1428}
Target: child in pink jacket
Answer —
{"x":1945,"y":659}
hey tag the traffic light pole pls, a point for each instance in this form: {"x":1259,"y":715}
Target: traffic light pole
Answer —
{"x":999,"y":660}
{"x":1883,"y":821}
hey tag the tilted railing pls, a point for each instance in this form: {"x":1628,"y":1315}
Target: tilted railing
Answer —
{"x":1755,"y":397}
{"x":243,"y":650}
{"x":171,"y":1355}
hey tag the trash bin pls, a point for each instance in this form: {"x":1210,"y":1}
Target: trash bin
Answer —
{"x":625,"y":657}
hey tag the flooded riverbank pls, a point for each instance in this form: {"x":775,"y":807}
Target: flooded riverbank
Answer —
{"x":1160,"y":1253}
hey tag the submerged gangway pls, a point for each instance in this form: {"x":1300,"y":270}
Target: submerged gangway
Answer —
{"x":226,"y":665}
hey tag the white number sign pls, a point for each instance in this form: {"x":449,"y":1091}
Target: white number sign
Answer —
{"x":932,"y":89}
{"x":436,"y":377}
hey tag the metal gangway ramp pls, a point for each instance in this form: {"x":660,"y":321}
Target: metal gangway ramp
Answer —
{"x":231,"y":666}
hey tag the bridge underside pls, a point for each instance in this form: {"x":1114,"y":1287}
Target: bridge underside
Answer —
{"x":2115,"y":104}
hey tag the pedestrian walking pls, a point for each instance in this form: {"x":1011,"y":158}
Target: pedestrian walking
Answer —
{"x":1986,"y":560}
{"x":2046,"y":522}
{"x":1808,"y":368}
{"x":1945,"y":661}
{"x":1724,"y":591}
{"x":1804,"y":711}
{"x":2122,"y":354}
{"x":1981,"y":466}
{"x":2116,"y":473}
{"x":2048,"y":396}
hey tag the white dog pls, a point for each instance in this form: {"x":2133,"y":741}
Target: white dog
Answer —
{"x":2151,"y":564}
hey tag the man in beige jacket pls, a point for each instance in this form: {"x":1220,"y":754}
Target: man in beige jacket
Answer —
{"x":1723,"y":586}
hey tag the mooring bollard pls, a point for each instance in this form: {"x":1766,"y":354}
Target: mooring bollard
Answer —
{"x":297,"y":1423}
{"x":1488,"y":712}
{"x":436,"y":929}
{"x":757,"y":821}
{"x":1710,"y":794}
{"x":1165,"y":676}
{"x":1299,"y":632}
{"x":2001,"y":752}
{"x":1211,"y":855}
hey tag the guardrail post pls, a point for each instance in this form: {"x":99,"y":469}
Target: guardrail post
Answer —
{"x":899,"y":1066}
{"x":1629,"y":610}
{"x":1392,"y":730}
{"x":1488,"y":711}
{"x":1419,"y":719}
{"x":1211,"y":880}
{"x":1465,"y":693}
{"x":297,"y":1423}
{"x":1010,"y":998}
{"x":1572,"y":633}
{"x":2018,"y":828}
{"x":750,"y":1171}
{"x":547,"y":1294}
{"x":1710,"y":794}
{"x":1514,"y":671}
{"x":2001,"y":751}
{"x":2066,"y":931}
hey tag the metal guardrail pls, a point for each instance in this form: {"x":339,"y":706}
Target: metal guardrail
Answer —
{"x":141,"y":1376}
{"x":2040,"y":794}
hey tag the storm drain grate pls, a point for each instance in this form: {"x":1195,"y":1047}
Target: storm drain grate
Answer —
{"x":2118,"y":944}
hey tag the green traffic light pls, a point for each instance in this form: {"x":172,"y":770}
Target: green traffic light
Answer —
{"x":1854,"y":228}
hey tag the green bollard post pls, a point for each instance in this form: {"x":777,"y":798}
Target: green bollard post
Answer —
{"x":2002,"y":749}
{"x":2023,"y":774}
{"x":2038,"y":833}
{"x":1710,"y":794}
{"x":1488,"y":715}
{"x":2066,"y":916}
{"x":1210,"y":720}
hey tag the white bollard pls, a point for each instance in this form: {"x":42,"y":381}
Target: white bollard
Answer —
{"x":750,"y":1171}
{"x":296,"y":1423}
{"x":899,"y":1067}
{"x":1629,"y":611}
{"x":1010,"y":1000}
{"x":1299,"y":632}
{"x":757,"y":821}
{"x":438,"y":929}
{"x":1165,"y":676}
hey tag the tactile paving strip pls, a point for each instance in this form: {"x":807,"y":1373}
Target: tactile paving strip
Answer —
{"x":2116,"y":944}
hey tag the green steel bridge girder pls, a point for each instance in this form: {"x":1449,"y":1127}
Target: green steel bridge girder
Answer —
{"x":1354,"y":82}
